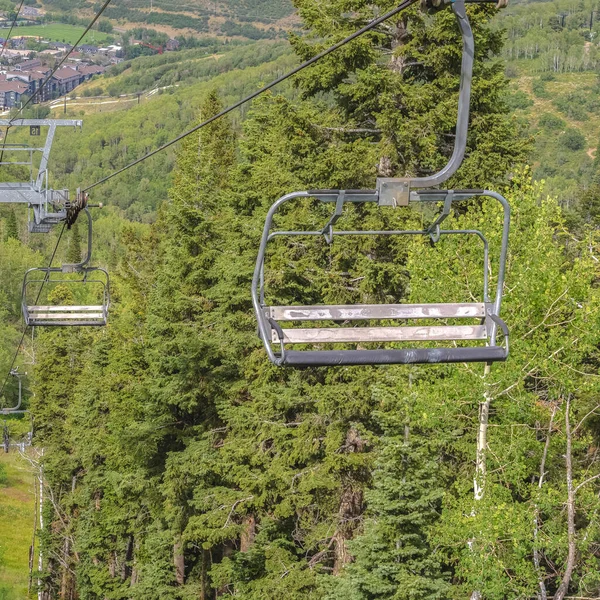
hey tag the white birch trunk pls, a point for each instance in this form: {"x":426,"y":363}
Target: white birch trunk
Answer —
{"x":481,"y":463}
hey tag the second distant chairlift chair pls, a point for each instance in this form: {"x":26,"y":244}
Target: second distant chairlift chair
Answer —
{"x":68,"y":315}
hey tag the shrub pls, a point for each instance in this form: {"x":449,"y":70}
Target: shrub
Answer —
{"x":519,"y":100}
{"x":539,"y":88}
{"x":550,"y":121}
{"x":573,"y":139}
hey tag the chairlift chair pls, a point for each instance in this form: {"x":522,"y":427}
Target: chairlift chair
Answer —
{"x":390,"y":194}
{"x":68,"y":315}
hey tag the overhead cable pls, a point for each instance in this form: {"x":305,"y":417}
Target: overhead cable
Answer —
{"x":262,"y":90}
{"x":60,"y":64}
{"x":14,"y":360}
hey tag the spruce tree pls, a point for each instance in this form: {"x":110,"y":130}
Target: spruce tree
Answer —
{"x":393,"y":557}
{"x":11,"y":228}
{"x":185,"y":351}
{"x":74,"y":250}
{"x":398,"y":86}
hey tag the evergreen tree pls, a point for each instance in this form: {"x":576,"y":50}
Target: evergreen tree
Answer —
{"x":11,"y":228}
{"x":184,"y":349}
{"x":74,"y":250}
{"x":393,"y":557}
{"x":399,"y":85}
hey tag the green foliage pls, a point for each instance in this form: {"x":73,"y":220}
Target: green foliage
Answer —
{"x":518,"y":100}
{"x":413,"y":122}
{"x":11,"y":228}
{"x":551,"y":37}
{"x":572,"y":139}
{"x":105,"y":26}
{"x":393,"y":557}
{"x":575,"y":105}
{"x":17,"y":513}
{"x":539,"y":88}
{"x":550,"y":121}
{"x":74,"y":248}
{"x":175,"y":20}
{"x":230,"y":28}
{"x":183,"y":465}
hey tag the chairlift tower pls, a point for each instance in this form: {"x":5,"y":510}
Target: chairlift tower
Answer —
{"x":48,"y":206}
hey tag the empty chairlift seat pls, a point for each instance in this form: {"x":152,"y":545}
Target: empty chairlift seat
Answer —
{"x":66,"y":315}
{"x":94,"y":281}
{"x":459,"y":333}
{"x":434,"y":333}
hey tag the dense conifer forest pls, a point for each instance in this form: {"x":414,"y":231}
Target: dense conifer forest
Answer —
{"x":176,"y":462}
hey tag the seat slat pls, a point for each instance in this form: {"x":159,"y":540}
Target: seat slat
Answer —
{"x":377,"y":311}
{"x":45,"y":309}
{"x":382,"y":334}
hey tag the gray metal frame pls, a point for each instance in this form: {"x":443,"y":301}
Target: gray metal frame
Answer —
{"x":396,"y":191}
{"x":48,"y":205}
{"x":72,"y":316}
{"x":15,"y":409}
{"x":267,"y":324}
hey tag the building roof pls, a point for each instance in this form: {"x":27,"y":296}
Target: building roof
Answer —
{"x":37,"y":75}
{"x":27,"y":65}
{"x":13,"y":86}
{"x":10,"y":75}
{"x":60,"y":45}
{"x":91,"y":69}
{"x":66,"y":73}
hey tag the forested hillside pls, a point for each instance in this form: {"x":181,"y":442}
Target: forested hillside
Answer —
{"x":253,"y":19}
{"x":179,"y":463}
{"x":552,"y":60}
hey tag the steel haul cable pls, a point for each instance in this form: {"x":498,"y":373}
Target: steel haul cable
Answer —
{"x":14,"y":360}
{"x":12,"y":27}
{"x":60,"y":64}
{"x":262,"y":90}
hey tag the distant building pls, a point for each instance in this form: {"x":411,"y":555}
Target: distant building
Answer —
{"x":34,"y":80}
{"x":19,"y":43}
{"x":88,"y":71}
{"x":112,"y":50}
{"x":30,"y":12}
{"x":11,"y":93}
{"x":66,"y":79}
{"x":48,"y":52}
{"x":14,"y":55}
{"x":60,"y":46}
{"x":28,"y":65}
{"x":87,"y":49}
{"x":172,"y":45}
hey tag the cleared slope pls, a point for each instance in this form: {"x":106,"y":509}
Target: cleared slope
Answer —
{"x":16,"y":518}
